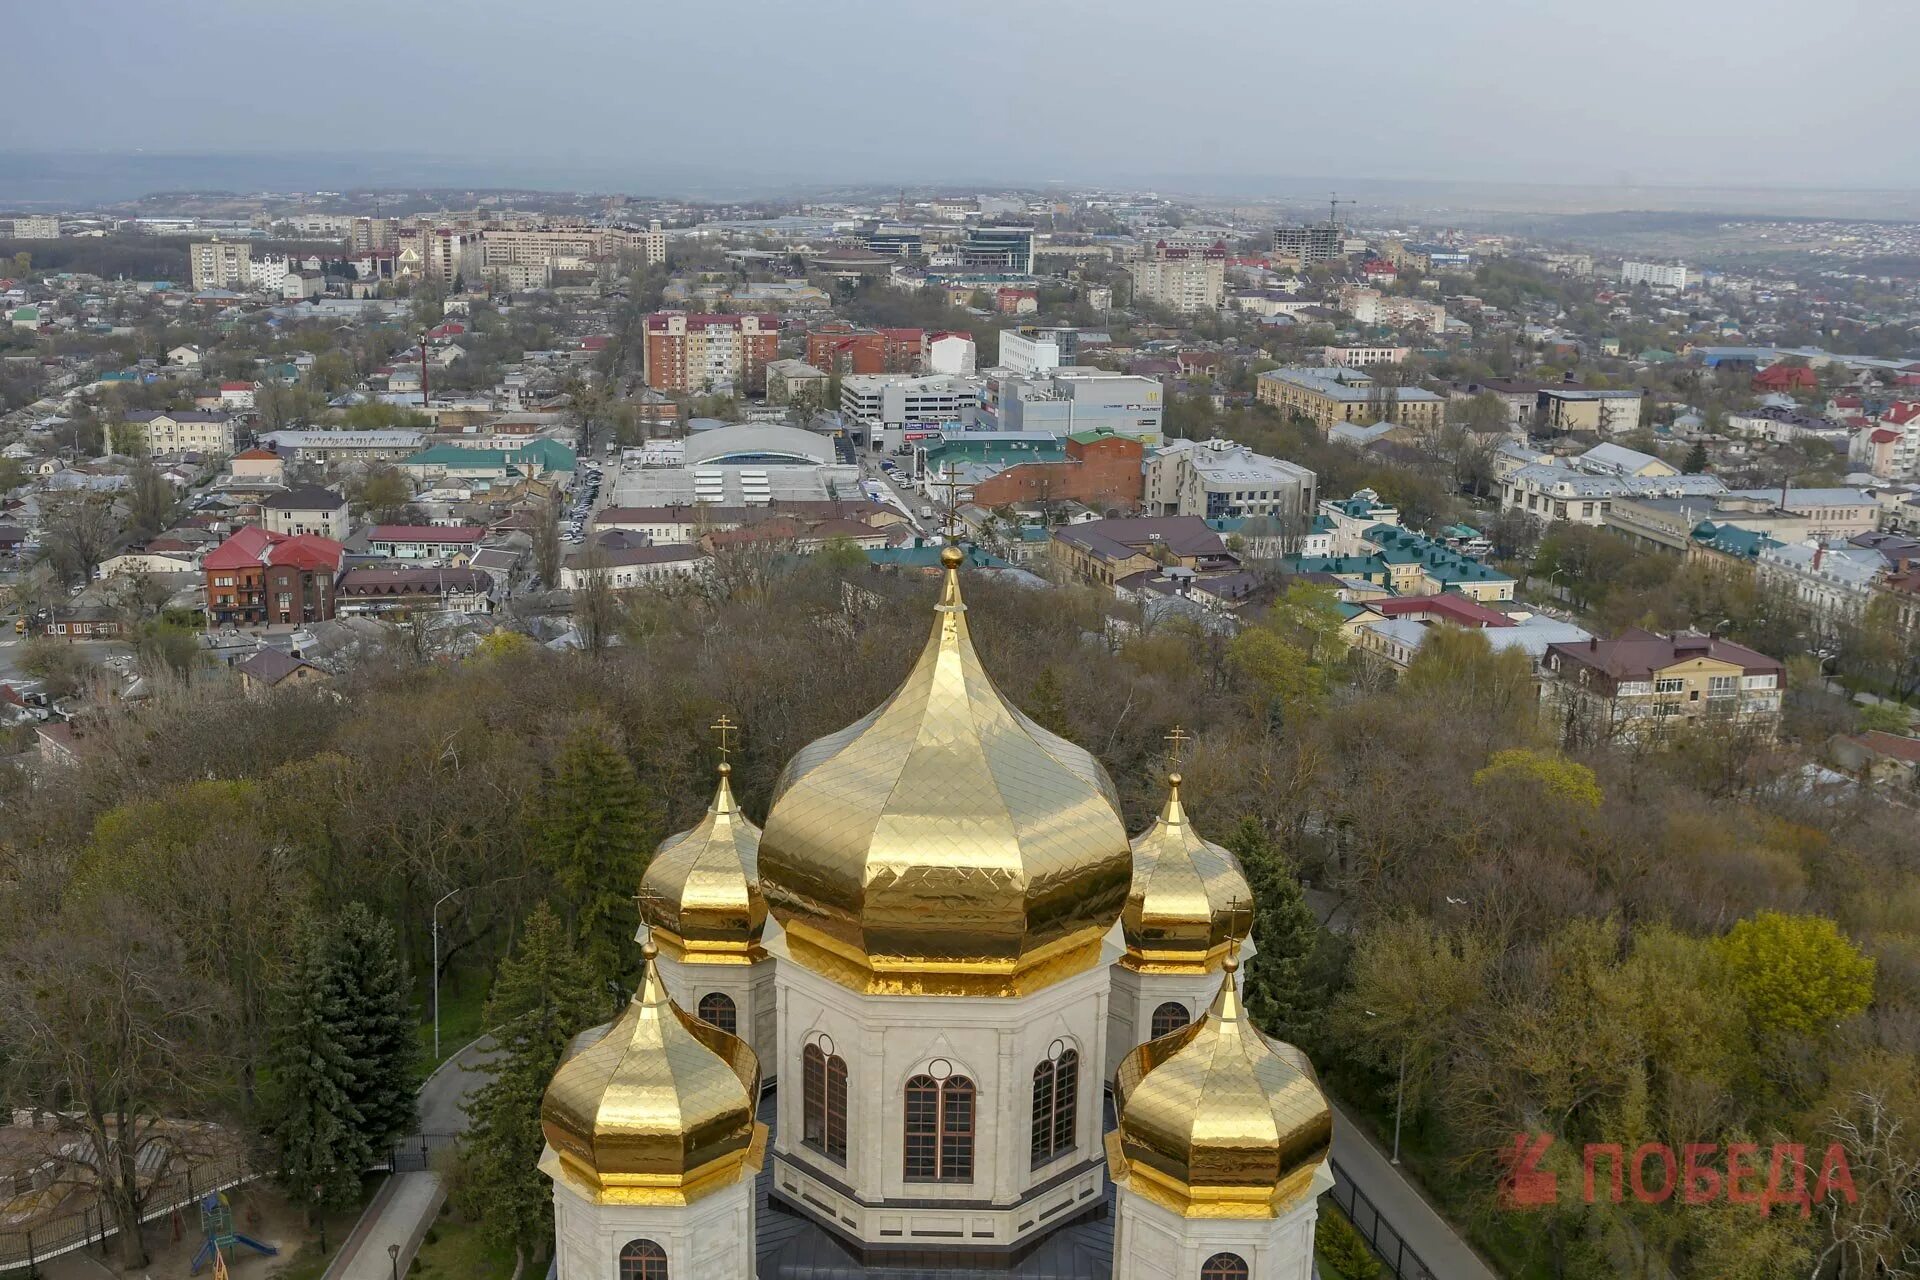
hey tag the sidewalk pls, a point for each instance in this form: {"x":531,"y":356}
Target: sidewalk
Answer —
{"x":405,"y":1207}
{"x":1424,"y":1230}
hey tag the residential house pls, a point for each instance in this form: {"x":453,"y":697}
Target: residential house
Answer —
{"x":376,"y":589}
{"x":1102,"y":552}
{"x":307,"y":508}
{"x":260,"y":578}
{"x":164,"y":431}
{"x":628,"y":567}
{"x":441,"y":544}
{"x":1641,"y":685}
{"x":270,"y":669}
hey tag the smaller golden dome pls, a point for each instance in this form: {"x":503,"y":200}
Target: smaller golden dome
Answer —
{"x":1189,"y":901}
{"x":657,"y":1108}
{"x":1216,"y":1120}
{"x":700,"y":896}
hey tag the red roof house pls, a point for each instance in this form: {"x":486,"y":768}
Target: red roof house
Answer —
{"x":1786,"y":377}
{"x":257,"y":578}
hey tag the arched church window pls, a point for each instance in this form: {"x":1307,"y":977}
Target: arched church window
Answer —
{"x":1224,"y":1266}
{"x":716,"y":1008}
{"x":823,"y":1101}
{"x":939,"y":1129}
{"x":1167,"y":1019}
{"x":1056,"y":1098}
{"x":643,"y":1260}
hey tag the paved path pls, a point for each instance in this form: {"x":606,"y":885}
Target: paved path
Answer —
{"x":405,"y":1207}
{"x":1447,"y":1255}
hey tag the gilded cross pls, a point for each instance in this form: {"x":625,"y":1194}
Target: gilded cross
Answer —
{"x":952,"y":486}
{"x":1177,"y":740}
{"x":725,"y":729}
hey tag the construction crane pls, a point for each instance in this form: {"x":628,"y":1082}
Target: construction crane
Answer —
{"x":1333,"y":208}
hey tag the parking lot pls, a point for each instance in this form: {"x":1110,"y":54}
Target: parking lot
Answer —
{"x":584,"y":498}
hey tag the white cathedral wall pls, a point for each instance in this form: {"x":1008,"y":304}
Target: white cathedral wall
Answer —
{"x":995,"y":1042}
{"x":1136,"y":995}
{"x":749,"y":986}
{"x":1154,"y":1243}
{"x":710,"y":1239}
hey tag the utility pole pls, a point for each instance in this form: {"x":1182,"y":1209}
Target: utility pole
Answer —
{"x":423,"y":372}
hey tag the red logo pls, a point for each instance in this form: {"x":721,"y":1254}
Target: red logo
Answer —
{"x":1526,"y":1185}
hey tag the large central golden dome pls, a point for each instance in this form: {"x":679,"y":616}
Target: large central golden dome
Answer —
{"x":945,"y":843}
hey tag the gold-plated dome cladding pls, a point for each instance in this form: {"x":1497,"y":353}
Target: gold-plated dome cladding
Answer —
{"x":1189,"y":903}
{"x":700,"y":896}
{"x":944,"y":843}
{"x":1216,"y":1120}
{"x":657,"y":1110}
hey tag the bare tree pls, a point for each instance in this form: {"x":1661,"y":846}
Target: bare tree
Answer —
{"x":546,"y":542}
{"x":79,"y":532}
{"x":596,"y":605}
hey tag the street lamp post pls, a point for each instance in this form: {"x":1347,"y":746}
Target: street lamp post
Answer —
{"x":1400,"y":1091}
{"x":436,"y":954}
{"x":320,"y":1211}
{"x":393,"y":1260}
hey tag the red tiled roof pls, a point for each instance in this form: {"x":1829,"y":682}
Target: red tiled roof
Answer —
{"x":1890,"y":744}
{"x":1453,"y":608}
{"x":1885,"y":435}
{"x":252,"y":545}
{"x":256,"y":455}
{"x":1901,"y":412}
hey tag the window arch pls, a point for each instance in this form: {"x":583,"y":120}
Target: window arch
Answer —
{"x":939,"y":1129}
{"x":717,"y":1008}
{"x":823,"y":1102}
{"x":643,"y":1260}
{"x":1224,"y":1266}
{"x":1167,"y":1019}
{"x":1056,"y":1101}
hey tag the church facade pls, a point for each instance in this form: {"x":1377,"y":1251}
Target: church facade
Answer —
{"x":948,"y":952}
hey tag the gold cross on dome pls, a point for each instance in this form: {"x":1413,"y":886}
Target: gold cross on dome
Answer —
{"x":725,"y":729}
{"x":952,"y":486}
{"x":1177,"y":740}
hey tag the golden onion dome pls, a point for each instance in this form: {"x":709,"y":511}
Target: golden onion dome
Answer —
{"x":1189,"y":902}
{"x":700,"y":896}
{"x":1217,"y":1120}
{"x":945,"y":843}
{"x":657,"y":1108}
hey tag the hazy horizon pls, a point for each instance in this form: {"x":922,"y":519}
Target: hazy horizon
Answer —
{"x":1251,"y":98}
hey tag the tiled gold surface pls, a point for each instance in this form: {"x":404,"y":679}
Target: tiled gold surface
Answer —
{"x":1216,"y":1120}
{"x":701,"y":892}
{"x":1189,"y":901}
{"x":657,"y":1109}
{"x":944,"y":842}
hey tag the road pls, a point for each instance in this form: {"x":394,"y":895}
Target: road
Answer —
{"x":12,"y":646}
{"x":1397,"y":1201}
{"x":406,"y":1205}
{"x":910,"y":499}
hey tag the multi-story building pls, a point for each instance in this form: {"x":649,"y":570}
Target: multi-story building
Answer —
{"x":1098,"y":468}
{"x":998,"y":248}
{"x":1606,"y":413}
{"x":306,"y":509}
{"x":1186,"y":280}
{"x":1075,"y":398}
{"x":221,"y":264}
{"x":1890,"y":445}
{"x":323,"y":448}
{"x":1330,"y":396}
{"x":257,"y":578}
{"x":1671,"y":524}
{"x":1641,"y":685}
{"x":1029,"y":351}
{"x":1834,"y":581}
{"x":1307,"y":246}
{"x":1657,"y":275}
{"x":1370,"y":306}
{"x":793,"y":381}
{"x":1102,"y":552}
{"x":372,"y":235}
{"x":36,"y":228}
{"x":1552,"y":492}
{"x":843,"y":348}
{"x":437,"y":253}
{"x":168,"y":431}
{"x":377,"y":589}
{"x":1363,"y":357}
{"x":698,"y":352}
{"x":1219,"y":479}
{"x":896,"y":402}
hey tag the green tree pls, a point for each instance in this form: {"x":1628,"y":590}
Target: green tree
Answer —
{"x":1548,"y":771}
{"x":1280,"y":993}
{"x":592,"y":842}
{"x":543,"y":996}
{"x":378,"y":1027}
{"x":1696,"y":462}
{"x":1795,"y":974}
{"x":318,"y":1133}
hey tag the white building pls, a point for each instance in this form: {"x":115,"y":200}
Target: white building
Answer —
{"x":167,"y":431}
{"x":1370,"y":306}
{"x":632,"y":567}
{"x":1657,"y":275}
{"x":1075,"y":398}
{"x":940,"y":1037}
{"x":1552,"y":492}
{"x":1028,"y":353}
{"x":1185,"y":280}
{"x":894,"y":402}
{"x":36,"y":228}
{"x":1834,"y":581}
{"x":1218,"y":479}
{"x":952,"y":354}
{"x":221,"y":264}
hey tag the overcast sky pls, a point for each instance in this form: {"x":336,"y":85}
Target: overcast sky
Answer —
{"x":621,"y":91}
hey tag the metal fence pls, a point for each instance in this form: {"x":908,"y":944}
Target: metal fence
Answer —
{"x":415,"y":1152}
{"x":1388,"y":1244}
{"x":23,"y":1249}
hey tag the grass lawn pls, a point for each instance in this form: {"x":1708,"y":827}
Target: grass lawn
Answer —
{"x":454,"y":1250}
{"x":461,"y":1005}
{"x":307,"y":1262}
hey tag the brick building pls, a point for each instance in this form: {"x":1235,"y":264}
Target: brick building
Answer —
{"x":1101,"y":469}
{"x":843,"y":348}
{"x":696,"y":352}
{"x":259,"y":578}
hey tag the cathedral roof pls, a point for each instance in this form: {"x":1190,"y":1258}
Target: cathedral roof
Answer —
{"x":657,"y":1108}
{"x":700,"y":896}
{"x":1216,"y":1120}
{"x":1189,"y":900}
{"x":944,"y":842}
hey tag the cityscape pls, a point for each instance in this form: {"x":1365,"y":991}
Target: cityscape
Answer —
{"x":629,"y":701}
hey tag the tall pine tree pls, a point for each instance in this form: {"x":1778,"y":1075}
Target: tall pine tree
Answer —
{"x":592,"y":839}
{"x":1281,"y":994}
{"x":317,"y":1130}
{"x":542,"y":996}
{"x":377,"y":1029}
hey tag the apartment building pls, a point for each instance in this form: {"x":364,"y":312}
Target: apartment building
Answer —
{"x":1552,"y":491}
{"x":1642,"y":685}
{"x":1370,"y":306}
{"x":1333,"y":395}
{"x":35,"y":228}
{"x":259,"y":578}
{"x":1657,"y":275}
{"x":1306,"y":246}
{"x":1185,"y":280}
{"x":699,"y":352}
{"x":844,"y":348}
{"x":170,"y":431}
{"x":1363,"y":357}
{"x":1577,"y":409}
{"x":221,"y":264}
{"x":1834,"y":580}
{"x":373,"y":235}
{"x":1219,"y":479}
{"x":306,"y":509}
